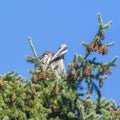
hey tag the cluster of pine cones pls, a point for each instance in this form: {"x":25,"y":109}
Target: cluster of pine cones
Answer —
{"x":97,"y":46}
{"x":14,"y":96}
{"x":41,"y":76}
{"x":75,"y":72}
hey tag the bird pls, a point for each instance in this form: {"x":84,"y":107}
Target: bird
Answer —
{"x":55,"y":61}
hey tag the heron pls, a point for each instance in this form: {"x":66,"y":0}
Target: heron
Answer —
{"x":55,"y":61}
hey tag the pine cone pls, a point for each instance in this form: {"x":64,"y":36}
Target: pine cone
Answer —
{"x":43,"y":75}
{"x":101,"y":49}
{"x":72,"y":76}
{"x":88,"y":50}
{"x":35,"y":78}
{"x":33,"y":90}
{"x":1,"y":83}
{"x":87,"y":71}
{"x":91,"y":47}
{"x":96,"y":47}
{"x":73,"y":65}
{"x":100,"y":83}
{"x":107,"y":70}
{"x":56,"y":90}
{"x":105,"y":50}
{"x":13,"y":98}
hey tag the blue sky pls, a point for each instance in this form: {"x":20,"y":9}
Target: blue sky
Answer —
{"x":51,"y":23}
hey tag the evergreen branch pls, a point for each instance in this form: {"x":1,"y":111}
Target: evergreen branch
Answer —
{"x":112,"y":62}
{"x":32,"y":46}
{"x":100,"y":22}
{"x":96,"y":39}
{"x":104,"y":77}
{"x":110,"y":44}
{"x":85,"y":44}
{"x":81,"y":59}
{"x":30,"y":59}
{"x":105,"y":26}
{"x":101,"y":25}
{"x":94,"y":86}
{"x":114,"y":59}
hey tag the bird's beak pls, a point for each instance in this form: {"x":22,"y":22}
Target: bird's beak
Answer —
{"x":62,"y":50}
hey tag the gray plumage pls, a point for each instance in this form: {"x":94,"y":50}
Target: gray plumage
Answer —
{"x":55,"y":61}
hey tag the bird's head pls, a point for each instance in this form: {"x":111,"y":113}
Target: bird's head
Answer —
{"x":61,"y":52}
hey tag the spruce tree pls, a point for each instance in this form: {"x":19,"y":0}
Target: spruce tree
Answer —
{"x":46,"y":97}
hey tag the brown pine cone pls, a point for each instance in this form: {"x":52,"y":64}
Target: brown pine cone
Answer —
{"x":13,"y":98}
{"x":43,"y":75}
{"x":90,"y":47}
{"x":33,"y":90}
{"x":105,"y":50}
{"x":96,"y":47}
{"x":101,"y":49}
{"x":100,"y":83}
{"x":87,"y":71}
{"x":73,"y":65}
{"x":73,"y":76}
{"x":56,"y":90}
{"x":35,"y":78}
{"x":107,"y":70}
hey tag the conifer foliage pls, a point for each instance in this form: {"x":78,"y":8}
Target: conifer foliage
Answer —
{"x":45,"y":97}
